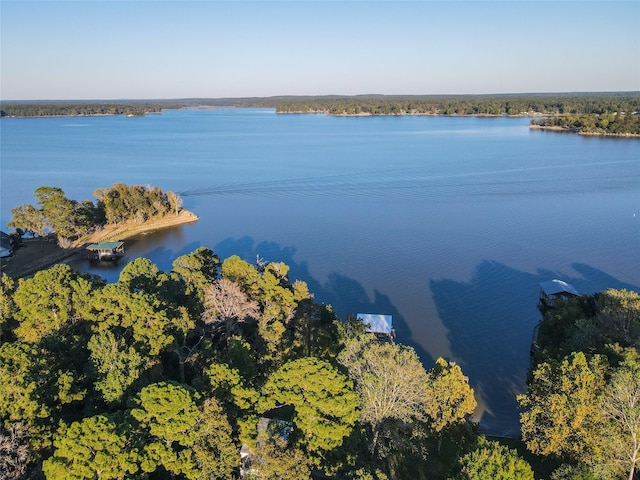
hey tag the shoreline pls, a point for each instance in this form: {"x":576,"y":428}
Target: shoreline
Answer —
{"x":530,"y":114}
{"x":558,"y":129}
{"x":39,"y":254}
{"x":413,"y":114}
{"x":127,"y":115}
{"x":129,"y":229}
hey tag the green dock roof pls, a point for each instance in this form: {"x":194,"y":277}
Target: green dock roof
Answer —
{"x":105,"y":246}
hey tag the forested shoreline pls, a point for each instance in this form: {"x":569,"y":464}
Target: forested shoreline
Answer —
{"x":609,"y":124}
{"x":499,"y":104}
{"x":614,"y":113}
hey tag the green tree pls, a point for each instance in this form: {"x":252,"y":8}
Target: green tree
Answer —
{"x":390,"y":381}
{"x":27,"y":388}
{"x":58,"y":210}
{"x":142,"y":275}
{"x":86,"y":216}
{"x":325,"y":404}
{"x":197,"y":270}
{"x":214,"y":451}
{"x":93,"y":448}
{"x":50,"y":300}
{"x":278,"y":304}
{"x":619,"y":316}
{"x":131,"y":202}
{"x":398,"y":395}
{"x":275,"y":460}
{"x":142,"y":320}
{"x":175,"y":202}
{"x":7,"y":304}
{"x":29,"y":219}
{"x":24,"y":373}
{"x":276,"y":299}
{"x":167,"y":414}
{"x":621,"y":404}
{"x":567,"y":471}
{"x":228,"y":386}
{"x":117,"y":365}
{"x":562,"y":412}
{"x":244,"y":274}
{"x":148,"y":284}
{"x":315,"y":327}
{"x":450,"y":398}
{"x":168,"y":411}
{"x":492,"y":461}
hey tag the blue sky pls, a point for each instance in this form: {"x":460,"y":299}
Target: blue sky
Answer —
{"x":170,"y":49}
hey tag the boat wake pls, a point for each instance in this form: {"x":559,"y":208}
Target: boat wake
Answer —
{"x":417,"y":182}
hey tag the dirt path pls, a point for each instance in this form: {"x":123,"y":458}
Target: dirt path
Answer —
{"x":38,"y":254}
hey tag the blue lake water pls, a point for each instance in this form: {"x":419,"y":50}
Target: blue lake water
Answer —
{"x":448,"y":224}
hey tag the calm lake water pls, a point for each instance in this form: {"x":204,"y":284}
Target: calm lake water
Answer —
{"x":448,"y":224}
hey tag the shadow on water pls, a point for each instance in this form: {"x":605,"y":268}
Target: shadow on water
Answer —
{"x":490,"y":321}
{"x":345,"y":295}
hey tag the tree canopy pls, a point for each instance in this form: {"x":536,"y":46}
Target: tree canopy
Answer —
{"x":492,"y":461}
{"x":169,"y":374}
{"x":325,"y":404}
{"x":581,"y":408}
{"x":69,"y":219}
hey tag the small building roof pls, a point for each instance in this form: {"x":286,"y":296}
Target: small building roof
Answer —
{"x":105,"y":246}
{"x":377,"y":323}
{"x":554,"y":287}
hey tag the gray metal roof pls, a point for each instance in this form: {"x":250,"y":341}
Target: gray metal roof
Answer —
{"x":377,"y":323}
{"x":553,"y":287}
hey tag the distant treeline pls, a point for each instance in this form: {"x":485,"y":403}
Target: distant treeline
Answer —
{"x":512,"y":104}
{"x":533,"y":104}
{"x":54,"y":109}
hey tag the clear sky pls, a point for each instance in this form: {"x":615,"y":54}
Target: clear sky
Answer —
{"x":180,"y":49}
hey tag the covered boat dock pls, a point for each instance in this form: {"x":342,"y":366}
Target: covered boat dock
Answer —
{"x":105,"y":251}
{"x":554,"y":290}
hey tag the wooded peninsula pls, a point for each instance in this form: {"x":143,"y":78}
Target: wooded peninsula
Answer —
{"x":615,"y":113}
{"x":68,"y":225}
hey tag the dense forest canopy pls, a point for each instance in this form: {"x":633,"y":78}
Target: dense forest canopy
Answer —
{"x":506,"y":104}
{"x":169,"y":374}
{"x":582,"y":406}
